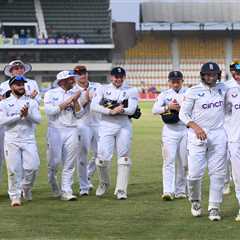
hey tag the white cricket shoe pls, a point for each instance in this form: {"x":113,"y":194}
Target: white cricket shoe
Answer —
{"x":180,"y":195}
{"x":27,"y":194}
{"x":121,"y":195}
{"x":68,"y":197}
{"x":16,"y":202}
{"x":167,"y":197}
{"x":227,"y":189}
{"x":84,"y":193}
{"x":102,"y":189}
{"x":237,"y":219}
{"x":196,"y":209}
{"x":214,"y":214}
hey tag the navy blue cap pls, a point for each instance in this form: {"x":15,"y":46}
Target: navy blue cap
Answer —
{"x":174,"y":75}
{"x":118,"y":71}
{"x":16,"y":79}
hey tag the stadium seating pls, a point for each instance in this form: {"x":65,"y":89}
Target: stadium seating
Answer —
{"x":150,"y":45}
{"x":89,"y":19}
{"x":236,"y":49}
{"x":197,"y":47}
{"x":150,"y":61}
{"x":17,"y":11}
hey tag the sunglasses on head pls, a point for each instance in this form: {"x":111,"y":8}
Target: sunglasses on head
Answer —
{"x":20,"y":78}
{"x":80,"y":72}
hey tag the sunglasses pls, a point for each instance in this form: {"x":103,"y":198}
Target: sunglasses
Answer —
{"x":20,"y":78}
{"x":237,"y":66}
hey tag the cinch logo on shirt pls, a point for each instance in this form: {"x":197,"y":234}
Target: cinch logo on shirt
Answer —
{"x":237,"y":106}
{"x":212,"y":105}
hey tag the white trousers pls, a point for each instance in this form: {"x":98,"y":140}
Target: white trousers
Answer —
{"x":88,"y":141}
{"x":211,"y":154}
{"x":174,"y":151}
{"x":63,"y":148}
{"x":115,"y":137}
{"x":111,"y":137}
{"x":22,"y":162}
{"x":1,"y":151}
{"x":234,"y":149}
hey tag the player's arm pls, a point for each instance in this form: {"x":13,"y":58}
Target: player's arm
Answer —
{"x":95,"y":104}
{"x":227,"y":104}
{"x":160,"y":106}
{"x":49,"y":106}
{"x":36,"y":93}
{"x":132,"y":103}
{"x":79,"y":110}
{"x":5,"y":119}
{"x":34,"y":113}
{"x":185,"y":116}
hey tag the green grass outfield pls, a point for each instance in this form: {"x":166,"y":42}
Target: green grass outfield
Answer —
{"x":143,"y":216}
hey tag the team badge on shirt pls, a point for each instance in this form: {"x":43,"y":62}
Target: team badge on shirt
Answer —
{"x":234,"y":95}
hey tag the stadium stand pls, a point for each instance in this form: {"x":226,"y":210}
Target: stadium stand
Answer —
{"x":17,"y":11}
{"x":89,"y":19}
{"x":150,"y":60}
{"x":148,"y":63}
{"x":68,"y":21}
{"x":202,"y":48}
{"x":236,"y":48}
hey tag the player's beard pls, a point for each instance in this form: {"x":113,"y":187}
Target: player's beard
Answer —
{"x":19,"y":93}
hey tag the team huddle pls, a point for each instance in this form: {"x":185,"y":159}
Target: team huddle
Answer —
{"x":200,"y":130}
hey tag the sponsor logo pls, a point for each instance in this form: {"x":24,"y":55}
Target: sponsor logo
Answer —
{"x":169,"y":99}
{"x":237,"y":106}
{"x":11,"y":105}
{"x":108,"y":93}
{"x":212,"y":105}
{"x":201,"y":94}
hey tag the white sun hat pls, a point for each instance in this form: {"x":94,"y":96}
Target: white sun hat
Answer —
{"x":7,"y":69}
{"x":64,"y":75}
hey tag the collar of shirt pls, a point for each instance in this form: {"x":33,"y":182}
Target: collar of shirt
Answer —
{"x":118,"y":88}
{"x":178,"y":91}
{"x":234,"y":83}
{"x":16,"y":98}
{"x":64,"y":91}
{"x":82,"y":88}
{"x":206,"y":87}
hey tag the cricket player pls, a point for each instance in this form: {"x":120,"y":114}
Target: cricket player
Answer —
{"x":62,"y":107}
{"x":16,"y":68}
{"x":203,"y":113}
{"x":229,"y":84}
{"x":18,"y":115}
{"x":116,"y":102}
{"x":88,"y":129}
{"x":232,"y":103}
{"x":174,"y":144}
